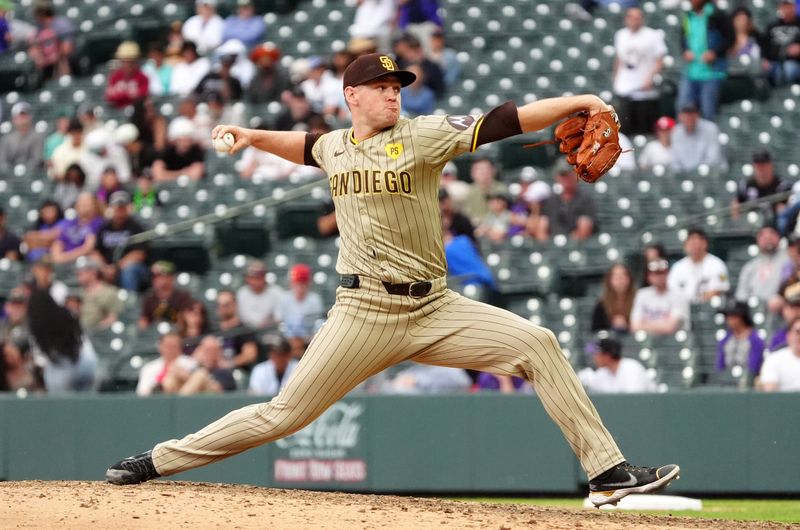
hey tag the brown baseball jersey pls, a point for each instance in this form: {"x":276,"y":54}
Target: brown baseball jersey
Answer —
{"x":385,"y":189}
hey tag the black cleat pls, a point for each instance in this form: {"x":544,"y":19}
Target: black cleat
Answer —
{"x":624,"y":479}
{"x":132,"y":470}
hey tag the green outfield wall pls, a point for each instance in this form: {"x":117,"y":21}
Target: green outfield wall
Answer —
{"x":742,"y":443}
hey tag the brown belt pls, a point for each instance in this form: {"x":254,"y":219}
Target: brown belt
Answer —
{"x":414,"y":289}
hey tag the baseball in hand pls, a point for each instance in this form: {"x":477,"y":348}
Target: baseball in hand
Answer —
{"x":224,"y":143}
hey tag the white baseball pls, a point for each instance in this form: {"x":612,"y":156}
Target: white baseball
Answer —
{"x":224,"y":143}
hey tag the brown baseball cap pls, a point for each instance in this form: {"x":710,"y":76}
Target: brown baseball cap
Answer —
{"x":374,"y":66}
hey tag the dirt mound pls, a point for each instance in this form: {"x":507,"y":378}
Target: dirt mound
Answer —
{"x":165,"y":504}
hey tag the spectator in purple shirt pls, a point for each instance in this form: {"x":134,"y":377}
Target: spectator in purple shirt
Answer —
{"x":790,"y":310}
{"x":505,"y":384}
{"x":741,"y":345}
{"x":77,"y":237}
{"x":419,"y":18}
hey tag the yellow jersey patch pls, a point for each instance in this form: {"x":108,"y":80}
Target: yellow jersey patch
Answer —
{"x":394,"y":150}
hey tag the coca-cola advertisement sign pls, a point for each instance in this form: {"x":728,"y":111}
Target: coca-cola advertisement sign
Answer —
{"x":327,"y":450}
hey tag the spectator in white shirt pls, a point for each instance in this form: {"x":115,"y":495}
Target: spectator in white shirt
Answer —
{"x":700,"y":275}
{"x":269,"y":377}
{"x":257,"y":300}
{"x":695,"y":141}
{"x":657,"y":309}
{"x":640,"y":52}
{"x":657,"y":152}
{"x":186,"y":75}
{"x":205,"y":28}
{"x":299,"y":309}
{"x":153,"y":373}
{"x":322,"y":89}
{"x":781,"y":370}
{"x":614,"y":374}
{"x":374,"y":20}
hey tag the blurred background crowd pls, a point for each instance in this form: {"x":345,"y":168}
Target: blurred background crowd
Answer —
{"x":680,"y":269}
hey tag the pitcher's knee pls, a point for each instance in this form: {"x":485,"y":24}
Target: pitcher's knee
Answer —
{"x":281,"y":419}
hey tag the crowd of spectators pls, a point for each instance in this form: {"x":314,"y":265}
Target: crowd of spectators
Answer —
{"x":104,"y":176}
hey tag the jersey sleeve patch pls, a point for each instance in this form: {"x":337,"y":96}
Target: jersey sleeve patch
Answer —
{"x":460,"y":123}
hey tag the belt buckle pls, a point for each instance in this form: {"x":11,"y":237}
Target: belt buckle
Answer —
{"x":419,"y":289}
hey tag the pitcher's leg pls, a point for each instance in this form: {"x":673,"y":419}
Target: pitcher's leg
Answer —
{"x":345,"y":352}
{"x":470,"y":334}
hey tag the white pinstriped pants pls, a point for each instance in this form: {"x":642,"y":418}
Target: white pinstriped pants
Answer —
{"x":369,"y":330}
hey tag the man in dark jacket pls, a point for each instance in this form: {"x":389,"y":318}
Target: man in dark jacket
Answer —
{"x":781,"y":49}
{"x":707,"y":34}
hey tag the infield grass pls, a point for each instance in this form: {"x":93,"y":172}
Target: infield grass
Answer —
{"x":779,"y":510}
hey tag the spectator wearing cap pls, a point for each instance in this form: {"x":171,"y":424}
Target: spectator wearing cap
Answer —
{"x":657,"y":309}
{"x":790,"y":310}
{"x":242,"y":68}
{"x":55,"y":138}
{"x":782,"y":45}
{"x":781,"y":369}
{"x":269,"y":377}
{"x":183,"y":155}
{"x":699,"y":276}
{"x":220,"y":81}
{"x":144,"y":195}
{"x":9,"y":242}
{"x":763,"y":183}
{"x":100,"y":302}
{"x":271,"y":79}
{"x":53,"y":45}
{"x":457,"y":190}
{"x":256,"y":300}
{"x":373,"y":21}
{"x":70,"y":151}
{"x":77,"y":236}
{"x":419,"y":18}
{"x":43,"y":277}
{"x":614,"y":374}
{"x":13,"y":317}
{"x":640,"y":51}
{"x":322,"y":89}
{"x":483,"y":173}
{"x":120,"y":261}
{"x":706,"y":36}
{"x":572,"y":212}
{"x":528,"y":206}
{"x":495,"y":224}
{"x":188,"y":72}
{"x":239,"y":346}
{"x":741,"y":345}
{"x":205,"y":28}
{"x":761,"y":276}
{"x":695,"y":141}
{"x":244,"y":25}
{"x":297,"y":113}
{"x":408,"y":51}
{"x":299,"y":309}
{"x":164,"y":301}
{"x":657,"y":152}
{"x":127,"y":84}
{"x":418,"y":99}
{"x":23,"y":146}
{"x":445,"y":57}
{"x":102,"y":152}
